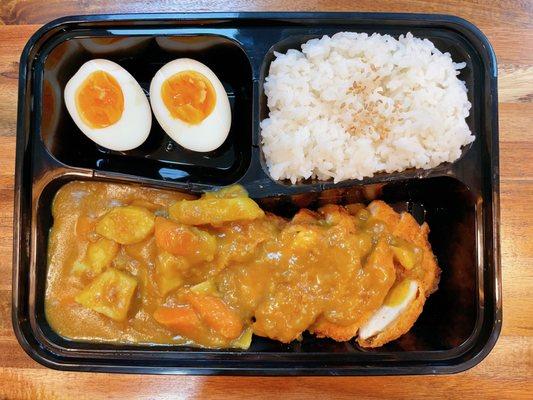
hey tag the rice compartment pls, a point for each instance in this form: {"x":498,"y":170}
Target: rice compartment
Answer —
{"x":351,"y":105}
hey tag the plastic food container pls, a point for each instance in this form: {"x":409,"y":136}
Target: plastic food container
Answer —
{"x":460,"y":322}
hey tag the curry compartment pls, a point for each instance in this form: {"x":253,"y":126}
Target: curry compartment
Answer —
{"x":459,"y":201}
{"x":457,"y":322}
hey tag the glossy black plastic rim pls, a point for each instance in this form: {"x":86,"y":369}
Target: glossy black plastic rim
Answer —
{"x":215,"y":363}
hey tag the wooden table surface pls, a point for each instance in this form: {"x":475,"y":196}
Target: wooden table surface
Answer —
{"x":506,"y":373}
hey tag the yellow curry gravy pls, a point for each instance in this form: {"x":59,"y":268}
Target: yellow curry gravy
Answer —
{"x":131,"y":264}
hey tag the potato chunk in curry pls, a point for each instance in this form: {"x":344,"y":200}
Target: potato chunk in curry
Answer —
{"x":100,"y":255}
{"x":126,"y":225}
{"x":109,"y":294}
{"x":169,"y":271}
{"x":215,"y":210}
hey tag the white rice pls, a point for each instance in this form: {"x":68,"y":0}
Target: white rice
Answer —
{"x":351,"y":105}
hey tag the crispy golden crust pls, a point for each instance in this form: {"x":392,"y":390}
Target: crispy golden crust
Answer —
{"x":431,"y":273}
{"x":405,"y":226}
{"x":305,"y":216}
{"x":428,"y":273}
{"x":385,"y":213}
{"x":322,"y":328}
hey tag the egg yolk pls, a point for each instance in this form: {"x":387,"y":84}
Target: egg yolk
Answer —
{"x":99,"y":100}
{"x":188,"y":96}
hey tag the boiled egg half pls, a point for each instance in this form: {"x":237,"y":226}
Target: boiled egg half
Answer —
{"x":191,"y":105}
{"x":108,"y":105}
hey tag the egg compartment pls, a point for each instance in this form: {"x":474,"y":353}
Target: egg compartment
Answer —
{"x":142,"y":56}
{"x":460,"y":322}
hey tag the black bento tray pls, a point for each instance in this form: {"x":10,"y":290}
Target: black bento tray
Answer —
{"x":460,"y":201}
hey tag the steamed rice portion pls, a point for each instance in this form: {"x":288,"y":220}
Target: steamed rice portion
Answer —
{"x":351,"y":105}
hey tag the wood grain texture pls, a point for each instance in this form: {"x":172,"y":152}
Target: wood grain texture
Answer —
{"x":506,"y":373}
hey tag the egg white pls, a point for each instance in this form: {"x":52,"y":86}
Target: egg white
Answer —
{"x":210,"y":133}
{"x":133,"y":127}
{"x":385,"y":315}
